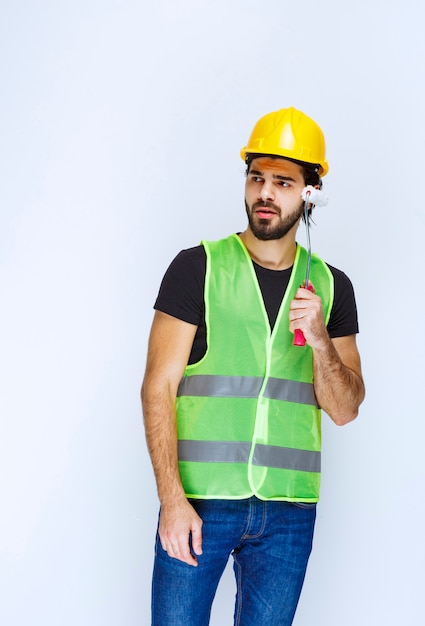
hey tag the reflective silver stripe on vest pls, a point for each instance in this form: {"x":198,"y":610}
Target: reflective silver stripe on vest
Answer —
{"x":214,"y":451}
{"x":238,"y":452}
{"x":220,"y":386}
{"x":246,"y":387}
{"x":291,"y":391}
{"x":286,"y":458}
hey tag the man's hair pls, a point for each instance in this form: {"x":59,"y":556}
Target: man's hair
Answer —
{"x":310,"y":170}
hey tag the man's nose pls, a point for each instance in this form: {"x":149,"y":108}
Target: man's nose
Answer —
{"x":266,"y":191}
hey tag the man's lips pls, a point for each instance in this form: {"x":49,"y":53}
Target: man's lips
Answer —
{"x":264,"y":211}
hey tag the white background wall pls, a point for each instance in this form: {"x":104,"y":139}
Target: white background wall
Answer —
{"x":121,"y":124}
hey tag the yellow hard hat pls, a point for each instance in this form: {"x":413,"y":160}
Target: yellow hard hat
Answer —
{"x":289,"y":133}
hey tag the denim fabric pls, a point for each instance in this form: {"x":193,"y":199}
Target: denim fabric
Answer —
{"x":270,"y":543}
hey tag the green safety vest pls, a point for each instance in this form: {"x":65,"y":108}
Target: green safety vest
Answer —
{"x":247,"y":417}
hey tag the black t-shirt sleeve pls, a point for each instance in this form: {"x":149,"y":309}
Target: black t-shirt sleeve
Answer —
{"x":343,"y":319}
{"x":181,"y":293}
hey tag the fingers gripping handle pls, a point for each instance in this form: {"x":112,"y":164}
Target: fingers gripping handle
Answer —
{"x":299,"y":339}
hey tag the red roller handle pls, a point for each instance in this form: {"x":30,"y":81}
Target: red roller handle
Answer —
{"x":299,"y":339}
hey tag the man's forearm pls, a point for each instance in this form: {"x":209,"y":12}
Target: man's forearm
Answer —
{"x":339,"y":389}
{"x":161,"y":437}
{"x":178,"y":520}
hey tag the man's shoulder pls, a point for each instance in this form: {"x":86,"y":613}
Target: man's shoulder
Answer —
{"x":192,"y":253}
{"x":197,"y":254}
{"x":189,"y":258}
{"x":340,"y":277}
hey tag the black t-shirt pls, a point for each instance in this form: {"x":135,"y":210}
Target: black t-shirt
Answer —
{"x":181,"y":295}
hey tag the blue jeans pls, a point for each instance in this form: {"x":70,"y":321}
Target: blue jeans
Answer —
{"x":270,"y":543}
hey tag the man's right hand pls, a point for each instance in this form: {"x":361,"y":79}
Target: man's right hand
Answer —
{"x":176,"y":523}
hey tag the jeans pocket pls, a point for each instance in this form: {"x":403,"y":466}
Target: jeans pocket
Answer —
{"x":305,"y":505}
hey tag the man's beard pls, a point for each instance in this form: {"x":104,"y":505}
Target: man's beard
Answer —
{"x":263,"y":229}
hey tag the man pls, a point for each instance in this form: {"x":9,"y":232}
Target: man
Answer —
{"x":231,"y":406}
